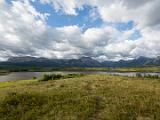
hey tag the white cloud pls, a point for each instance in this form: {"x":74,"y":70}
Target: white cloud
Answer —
{"x":24,"y":31}
{"x":100,"y":36}
{"x":143,"y":12}
{"x":66,"y":6}
{"x":4,"y":54}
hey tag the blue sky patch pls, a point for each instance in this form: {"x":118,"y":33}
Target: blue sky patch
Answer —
{"x":57,"y":19}
{"x":135,"y":35}
{"x":124,"y":26}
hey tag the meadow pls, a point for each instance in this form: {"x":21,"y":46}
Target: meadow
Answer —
{"x":113,"y":69}
{"x":8,"y":69}
{"x":4,"y":72}
{"x":89,"y":97}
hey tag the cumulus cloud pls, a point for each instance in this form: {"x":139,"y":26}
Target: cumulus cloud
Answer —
{"x":65,"y":6}
{"x":24,"y":30}
{"x":143,"y":12}
{"x":20,"y":31}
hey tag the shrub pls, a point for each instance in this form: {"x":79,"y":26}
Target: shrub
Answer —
{"x":147,"y":76}
{"x":34,"y":77}
{"x":47,"y":77}
{"x":138,"y":75}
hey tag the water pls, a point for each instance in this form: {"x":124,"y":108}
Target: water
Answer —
{"x":30,"y":75}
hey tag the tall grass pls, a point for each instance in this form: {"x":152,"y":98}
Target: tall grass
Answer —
{"x":92,"y":97}
{"x":34,"y":106}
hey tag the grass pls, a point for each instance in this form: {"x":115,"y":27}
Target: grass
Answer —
{"x":90,"y":97}
{"x":116,"y":69}
{"x":7,"y":69}
{"x":4,"y":72}
{"x":139,"y":69}
{"x":15,"y":83}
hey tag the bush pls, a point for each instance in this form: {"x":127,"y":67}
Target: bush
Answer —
{"x":138,"y":75}
{"x":147,"y":76}
{"x":47,"y":77}
{"x":34,"y":77}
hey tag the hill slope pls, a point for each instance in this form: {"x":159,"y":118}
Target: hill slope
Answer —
{"x":94,"y":97}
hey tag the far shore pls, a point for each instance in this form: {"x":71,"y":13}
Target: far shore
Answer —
{"x":154,"y":69}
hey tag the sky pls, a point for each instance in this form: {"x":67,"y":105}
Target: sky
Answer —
{"x":65,"y":29}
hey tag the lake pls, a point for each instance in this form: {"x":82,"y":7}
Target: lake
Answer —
{"x":30,"y":75}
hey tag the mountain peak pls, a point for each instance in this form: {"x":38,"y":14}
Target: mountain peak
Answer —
{"x":25,"y":59}
{"x":21,"y":59}
{"x":86,"y":58}
{"x":83,"y":62}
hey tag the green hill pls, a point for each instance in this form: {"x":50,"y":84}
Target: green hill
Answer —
{"x":91,"y":97}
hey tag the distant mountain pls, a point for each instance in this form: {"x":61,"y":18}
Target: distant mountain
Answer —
{"x":33,"y":61}
{"x":155,"y":61}
{"x":127,"y":63}
{"x":26,"y":59}
{"x":81,"y":62}
{"x":84,"y":62}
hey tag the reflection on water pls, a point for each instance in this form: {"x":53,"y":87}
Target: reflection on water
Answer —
{"x":30,"y":75}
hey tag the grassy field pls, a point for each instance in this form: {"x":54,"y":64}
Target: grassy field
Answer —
{"x":139,"y":69}
{"x":15,"y":83}
{"x":5,"y":70}
{"x":120,"y":69}
{"x":90,"y":97}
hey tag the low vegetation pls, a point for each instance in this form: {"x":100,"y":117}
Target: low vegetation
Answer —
{"x":89,"y":97}
{"x":15,"y":83}
{"x":4,"y":72}
{"x":47,"y":77}
{"x":7,"y":69}
{"x":112,"y":69}
{"x":139,"y":69}
{"x":147,"y":76}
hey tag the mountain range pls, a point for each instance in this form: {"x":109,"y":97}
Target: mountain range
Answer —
{"x":81,"y":62}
